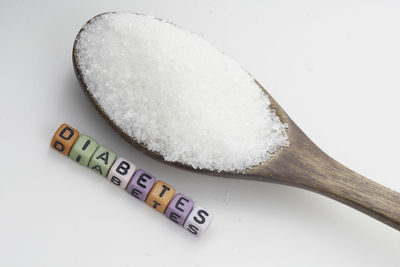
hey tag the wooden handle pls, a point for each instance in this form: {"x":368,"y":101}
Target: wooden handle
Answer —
{"x":338,"y":182}
{"x":304,"y":165}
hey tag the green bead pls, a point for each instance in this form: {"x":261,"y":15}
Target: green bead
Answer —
{"x":83,"y":149}
{"x":102,"y":160}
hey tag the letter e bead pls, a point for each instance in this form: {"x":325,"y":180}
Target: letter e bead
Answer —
{"x":179,"y":208}
{"x":141,"y":184}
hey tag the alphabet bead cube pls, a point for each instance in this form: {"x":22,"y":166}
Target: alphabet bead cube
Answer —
{"x":64,"y":138}
{"x":121,"y":172}
{"x":141,"y":184}
{"x":179,"y":208}
{"x":83,"y":149}
{"x":102,"y":160}
{"x":160,"y":196}
{"x":198,"y":221}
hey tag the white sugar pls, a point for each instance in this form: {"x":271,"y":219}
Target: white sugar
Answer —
{"x":177,"y":94}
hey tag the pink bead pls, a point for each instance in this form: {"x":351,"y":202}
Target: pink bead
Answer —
{"x":121,"y":172}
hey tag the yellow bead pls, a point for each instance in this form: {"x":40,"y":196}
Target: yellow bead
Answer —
{"x":160,"y":196}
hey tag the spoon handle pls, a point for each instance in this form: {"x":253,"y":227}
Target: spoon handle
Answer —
{"x":305,"y":165}
{"x":340,"y":183}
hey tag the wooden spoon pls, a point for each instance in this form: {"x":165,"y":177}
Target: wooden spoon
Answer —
{"x":302,"y":164}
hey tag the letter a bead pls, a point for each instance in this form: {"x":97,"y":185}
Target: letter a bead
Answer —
{"x":198,"y":221}
{"x":121,"y":172}
{"x":102,"y":160}
{"x":83,"y":149}
{"x":160,"y":196}
{"x":141,"y":184}
{"x":179,"y":208}
{"x":64,"y":138}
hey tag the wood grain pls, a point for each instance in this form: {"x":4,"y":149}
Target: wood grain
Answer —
{"x":305,"y":165}
{"x":302,"y":165}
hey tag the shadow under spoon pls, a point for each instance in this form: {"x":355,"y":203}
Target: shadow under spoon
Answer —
{"x":302,"y":164}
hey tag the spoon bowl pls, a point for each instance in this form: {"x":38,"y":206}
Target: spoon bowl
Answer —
{"x":302,"y":164}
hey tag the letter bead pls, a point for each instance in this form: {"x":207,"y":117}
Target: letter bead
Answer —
{"x":179,"y":208}
{"x":83,"y":149}
{"x":102,"y":160}
{"x":141,"y":184}
{"x":121,"y":172}
{"x":160,"y":196}
{"x":64,"y":138}
{"x":198,"y":221}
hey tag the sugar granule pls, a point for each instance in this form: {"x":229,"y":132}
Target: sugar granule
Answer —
{"x":177,"y":94}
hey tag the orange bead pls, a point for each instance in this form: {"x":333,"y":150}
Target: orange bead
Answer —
{"x":64,"y":138}
{"x":160,"y":196}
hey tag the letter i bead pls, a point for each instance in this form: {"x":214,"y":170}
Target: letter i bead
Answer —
{"x":64,"y":138}
{"x":121,"y":172}
{"x":160,"y":196}
{"x":83,"y":149}
{"x":179,"y":208}
{"x":198,"y":221}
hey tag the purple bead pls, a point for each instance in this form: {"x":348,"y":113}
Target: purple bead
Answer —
{"x":179,"y":208}
{"x":141,"y":184}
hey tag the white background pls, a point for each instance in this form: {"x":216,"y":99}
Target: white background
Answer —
{"x":332,"y":65}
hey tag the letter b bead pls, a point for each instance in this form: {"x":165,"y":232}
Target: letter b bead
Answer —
{"x":121,"y":172}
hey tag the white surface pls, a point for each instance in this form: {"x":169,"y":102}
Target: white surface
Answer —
{"x":332,"y":66}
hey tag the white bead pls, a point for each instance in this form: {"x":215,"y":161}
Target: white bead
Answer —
{"x":121,"y":172}
{"x":198,"y":221}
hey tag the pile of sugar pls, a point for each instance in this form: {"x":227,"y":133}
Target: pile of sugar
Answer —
{"x":177,"y":94}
